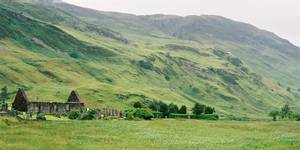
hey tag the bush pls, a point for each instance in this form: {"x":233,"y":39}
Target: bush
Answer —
{"x":130,"y":114}
{"x":89,"y":115}
{"x":141,"y":113}
{"x":146,"y":65}
{"x":41,"y":117}
{"x":286,"y":112}
{"x":237,"y":118}
{"x":180,"y":116}
{"x":138,"y":105}
{"x":157,"y":114}
{"x":74,"y":54}
{"x":200,"y":117}
{"x":73,"y":115}
{"x":205,"y":117}
{"x":296,"y":117}
{"x":274,"y":114}
{"x":235,"y":61}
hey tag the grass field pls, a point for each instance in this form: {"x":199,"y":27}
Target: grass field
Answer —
{"x":157,"y":134}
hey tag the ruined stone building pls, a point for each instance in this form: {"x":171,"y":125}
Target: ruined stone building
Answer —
{"x":22,"y":103}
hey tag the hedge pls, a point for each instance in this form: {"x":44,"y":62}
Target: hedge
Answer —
{"x":200,"y":117}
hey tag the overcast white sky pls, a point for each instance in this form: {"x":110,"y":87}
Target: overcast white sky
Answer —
{"x":279,"y":16}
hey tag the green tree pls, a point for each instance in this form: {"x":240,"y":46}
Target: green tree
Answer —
{"x":198,"y":109}
{"x":164,"y":108}
{"x":209,"y":110}
{"x":274,"y":114}
{"x":154,"y":106}
{"x":173,"y":108}
{"x":286,"y":111}
{"x":143,"y":113}
{"x":182,"y":110}
{"x":296,"y":116}
{"x":4,"y":94}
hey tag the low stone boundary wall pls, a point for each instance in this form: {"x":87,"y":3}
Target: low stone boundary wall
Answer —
{"x":109,"y":112}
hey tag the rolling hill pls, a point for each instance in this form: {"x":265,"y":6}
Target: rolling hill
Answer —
{"x":115,"y":59}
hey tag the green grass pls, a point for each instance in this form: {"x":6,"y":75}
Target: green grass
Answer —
{"x":157,"y":134}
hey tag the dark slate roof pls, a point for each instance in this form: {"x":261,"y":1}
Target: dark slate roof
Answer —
{"x":74,"y":97}
{"x":21,"y":101}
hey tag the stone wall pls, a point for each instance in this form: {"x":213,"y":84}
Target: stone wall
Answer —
{"x":22,"y":103}
{"x":53,"y":108}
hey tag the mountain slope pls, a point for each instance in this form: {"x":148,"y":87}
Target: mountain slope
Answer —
{"x":265,"y":52}
{"x":49,"y":58}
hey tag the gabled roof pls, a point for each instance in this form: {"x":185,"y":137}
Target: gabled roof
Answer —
{"x":21,"y":101}
{"x":74,"y":97}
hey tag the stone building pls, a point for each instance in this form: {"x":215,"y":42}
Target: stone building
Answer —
{"x":22,"y":103}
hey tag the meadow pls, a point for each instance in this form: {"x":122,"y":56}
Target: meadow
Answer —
{"x":155,"y":134}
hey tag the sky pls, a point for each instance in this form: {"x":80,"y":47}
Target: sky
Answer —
{"x":279,"y":16}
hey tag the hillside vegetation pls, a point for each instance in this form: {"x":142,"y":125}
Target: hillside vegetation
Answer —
{"x":116,"y":59}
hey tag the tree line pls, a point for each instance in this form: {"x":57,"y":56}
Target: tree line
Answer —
{"x":284,"y":113}
{"x":4,"y":97}
{"x":160,"y":109}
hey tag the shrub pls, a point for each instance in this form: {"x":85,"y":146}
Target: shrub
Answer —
{"x":130,"y":114}
{"x":138,"y":105}
{"x":274,"y":115}
{"x":4,"y":94}
{"x":139,"y":113}
{"x":235,"y":61}
{"x":180,"y":116}
{"x":74,"y":54}
{"x":157,"y":114}
{"x":89,"y":115}
{"x":237,"y":118}
{"x":230,"y":79}
{"x":206,"y":117}
{"x":200,"y":117}
{"x":73,"y":115}
{"x":286,"y":111}
{"x":146,"y":65}
{"x":296,"y":117}
{"x":143,"y":113}
{"x":41,"y":117}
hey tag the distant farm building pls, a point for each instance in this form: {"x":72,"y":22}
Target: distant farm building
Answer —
{"x":22,"y":103}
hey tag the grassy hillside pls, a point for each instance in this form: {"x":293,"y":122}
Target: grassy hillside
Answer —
{"x":263,"y":51}
{"x":49,"y":57}
{"x":158,"y":134}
